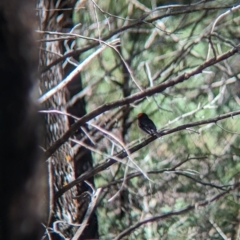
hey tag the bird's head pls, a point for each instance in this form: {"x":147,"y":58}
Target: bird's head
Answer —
{"x":142,"y":115}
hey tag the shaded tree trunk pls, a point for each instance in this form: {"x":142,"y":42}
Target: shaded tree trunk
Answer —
{"x":64,"y":164}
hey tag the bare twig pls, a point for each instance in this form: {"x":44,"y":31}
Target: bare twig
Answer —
{"x":75,"y":72}
{"x":88,"y":214}
{"x":136,"y":174}
{"x":219,"y":230}
{"x":115,"y":33}
{"x":134,"y":97}
{"x":216,"y":21}
{"x":174,"y":213}
{"x":123,"y":154}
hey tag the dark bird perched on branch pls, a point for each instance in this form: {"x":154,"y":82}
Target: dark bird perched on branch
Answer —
{"x":146,"y":124}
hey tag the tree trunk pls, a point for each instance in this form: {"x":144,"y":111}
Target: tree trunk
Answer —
{"x":64,"y":165}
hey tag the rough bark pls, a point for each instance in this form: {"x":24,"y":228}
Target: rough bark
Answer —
{"x":64,"y":165}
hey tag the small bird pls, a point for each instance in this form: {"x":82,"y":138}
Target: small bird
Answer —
{"x":146,"y":124}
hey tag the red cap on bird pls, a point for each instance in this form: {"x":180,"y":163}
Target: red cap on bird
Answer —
{"x":141,"y":114}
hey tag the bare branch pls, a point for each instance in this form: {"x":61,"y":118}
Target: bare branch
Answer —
{"x":75,"y":72}
{"x":134,"y":97}
{"x":115,"y":33}
{"x":123,"y":154}
{"x":88,"y":214}
{"x":175,"y":213}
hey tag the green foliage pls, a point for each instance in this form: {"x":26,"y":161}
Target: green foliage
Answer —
{"x":158,"y":51}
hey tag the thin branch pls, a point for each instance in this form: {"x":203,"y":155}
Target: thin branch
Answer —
{"x":219,"y":230}
{"x":158,"y":89}
{"x":87,"y":215}
{"x":174,"y":213}
{"x":107,"y":163}
{"x":216,"y":21}
{"x":75,"y":72}
{"x":201,"y":182}
{"x":116,"y":33}
{"x":136,"y":174}
{"x":117,"y":141}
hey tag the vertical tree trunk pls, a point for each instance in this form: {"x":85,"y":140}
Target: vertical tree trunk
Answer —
{"x":64,"y":165}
